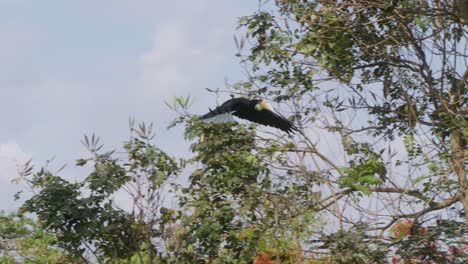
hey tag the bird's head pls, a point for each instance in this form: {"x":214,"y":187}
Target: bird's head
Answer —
{"x":263,"y":104}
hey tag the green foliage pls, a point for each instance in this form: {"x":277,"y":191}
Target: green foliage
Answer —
{"x":352,"y":247}
{"x":147,"y":159}
{"x":24,"y":241}
{"x":84,"y":215}
{"x":63,"y":208}
{"x":380,"y":99}
{"x":365,"y":169}
{"x":361,"y":175}
{"x":220,"y":193}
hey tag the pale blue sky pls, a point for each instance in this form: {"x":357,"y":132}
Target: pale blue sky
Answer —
{"x":75,"y":67}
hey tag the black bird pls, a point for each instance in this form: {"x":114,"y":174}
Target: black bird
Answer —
{"x":256,"y":110}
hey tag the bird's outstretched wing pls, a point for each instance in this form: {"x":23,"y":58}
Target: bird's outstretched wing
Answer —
{"x":223,"y":113}
{"x":268,"y":118}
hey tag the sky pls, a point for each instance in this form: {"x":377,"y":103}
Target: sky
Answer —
{"x":69,"y":68}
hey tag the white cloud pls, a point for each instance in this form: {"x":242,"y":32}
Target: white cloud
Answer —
{"x":185,"y":56}
{"x":177,"y":59}
{"x":11,"y":157}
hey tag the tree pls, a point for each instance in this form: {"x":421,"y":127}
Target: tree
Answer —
{"x":83,"y":215}
{"x":376,"y":173}
{"x":23,"y":241}
{"x":373,"y":71}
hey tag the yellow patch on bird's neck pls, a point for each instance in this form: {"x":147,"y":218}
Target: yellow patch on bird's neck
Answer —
{"x":266,"y":105}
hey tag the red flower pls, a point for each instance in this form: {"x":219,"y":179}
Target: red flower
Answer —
{"x":401,"y":228}
{"x":454,"y":250}
{"x":262,"y":258}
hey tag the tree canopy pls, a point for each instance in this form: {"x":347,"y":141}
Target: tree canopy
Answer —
{"x":375,"y":174}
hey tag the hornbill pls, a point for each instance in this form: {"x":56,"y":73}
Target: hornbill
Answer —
{"x":256,"y":110}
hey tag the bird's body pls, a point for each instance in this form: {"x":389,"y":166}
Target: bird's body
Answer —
{"x":256,"y":110}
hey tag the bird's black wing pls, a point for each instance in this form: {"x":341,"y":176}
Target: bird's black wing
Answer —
{"x":267,"y":118}
{"x":228,"y":107}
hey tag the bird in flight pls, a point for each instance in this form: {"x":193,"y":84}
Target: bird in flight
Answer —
{"x":256,"y":110}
